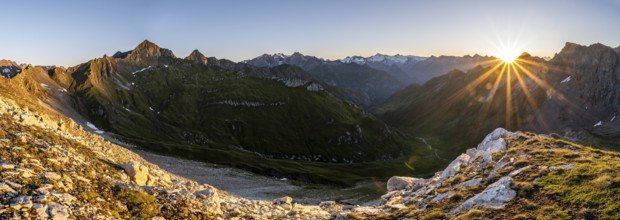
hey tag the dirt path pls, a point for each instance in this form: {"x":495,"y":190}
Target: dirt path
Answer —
{"x":432,"y":149}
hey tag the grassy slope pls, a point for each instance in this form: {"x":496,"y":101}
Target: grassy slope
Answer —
{"x":190,"y":125}
{"x":453,"y":118}
{"x":590,"y":190}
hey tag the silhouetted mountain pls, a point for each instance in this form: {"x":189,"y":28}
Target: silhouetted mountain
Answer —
{"x":575,"y":94}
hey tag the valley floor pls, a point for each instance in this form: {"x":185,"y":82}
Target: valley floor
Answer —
{"x":253,"y":186}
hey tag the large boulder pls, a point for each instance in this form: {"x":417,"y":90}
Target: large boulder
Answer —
{"x":454,"y":167}
{"x":138,"y":173}
{"x":494,"y":196}
{"x":492,"y":143}
{"x":400,"y":183}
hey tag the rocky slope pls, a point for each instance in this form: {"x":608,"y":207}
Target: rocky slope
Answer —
{"x":53,"y":168}
{"x":509,"y":176}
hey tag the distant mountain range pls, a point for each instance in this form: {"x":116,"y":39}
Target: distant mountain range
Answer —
{"x":371,"y":80}
{"x":575,"y":95}
{"x":301,"y":116}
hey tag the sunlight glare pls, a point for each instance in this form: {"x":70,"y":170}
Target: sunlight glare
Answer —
{"x":508,"y":55}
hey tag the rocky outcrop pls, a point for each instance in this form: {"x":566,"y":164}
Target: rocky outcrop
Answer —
{"x":494,"y":196}
{"x":197,"y":57}
{"x":401,"y":183}
{"x":146,"y":52}
{"x":65,"y":173}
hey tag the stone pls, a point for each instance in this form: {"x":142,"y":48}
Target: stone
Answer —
{"x":400,"y":183}
{"x":6,"y":166}
{"x":40,"y":210}
{"x":470,"y":183}
{"x":325,"y":204}
{"x":138,"y":173}
{"x":51,"y":176}
{"x":562,"y":167}
{"x":492,"y":143}
{"x":454,"y":167}
{"x":494,"y":196}
{"x":20,"y":202}
{"x":287,"y":200}
{"x":4,"y":188}
{"x":442,"y":196}
{"x":64,"y":198}
{"x":57,"y":212}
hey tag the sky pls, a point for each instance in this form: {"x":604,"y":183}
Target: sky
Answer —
{"x":71,"y":32}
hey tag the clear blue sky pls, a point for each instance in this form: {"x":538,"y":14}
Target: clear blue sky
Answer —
{"x":70,"y":32}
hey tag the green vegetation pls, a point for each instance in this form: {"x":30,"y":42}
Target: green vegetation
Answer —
{"x":238,"y":119}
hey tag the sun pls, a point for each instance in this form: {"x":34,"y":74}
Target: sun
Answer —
{"x":508,"y":55}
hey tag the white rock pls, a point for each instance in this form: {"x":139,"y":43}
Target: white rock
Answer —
{"x":442,"y":196}
{"x":492,"y":143}
{"x":137,"y":173}
{"x":51,"y":176}
{"x":454,"y":167}
{"x":57,"y":212}
{"x":283,"y":200}
{"x":21,"y":202}
{"x":401,"y":183}
{"x":494,"y":196}
{"x":562,"y":167}
{"x":40,"y":210}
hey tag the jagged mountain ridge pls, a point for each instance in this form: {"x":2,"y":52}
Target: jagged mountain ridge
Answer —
{"x":267,"y":120}
{"x":376,"y":77}
{"x":574,"y":92}
{"x":367,"y":85}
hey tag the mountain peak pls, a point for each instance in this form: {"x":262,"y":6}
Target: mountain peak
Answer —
{"x":7,"y":63}
{"x":573,"y":49}
{"x":147,"y":51}
{"x":147,"y":44}
{"x":197,"y":57}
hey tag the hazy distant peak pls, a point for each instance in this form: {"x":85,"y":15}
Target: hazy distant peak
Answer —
{"x":382,"y":58}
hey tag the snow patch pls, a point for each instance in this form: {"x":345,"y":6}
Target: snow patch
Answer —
{"x":245,"y":103}
{"x":94,"y":128}
{"x":314,"y":87}
{"x":612,"y":118}
{"x":598,"y":124}
{"x":141,"y":70}
{"x":566,"y":80}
